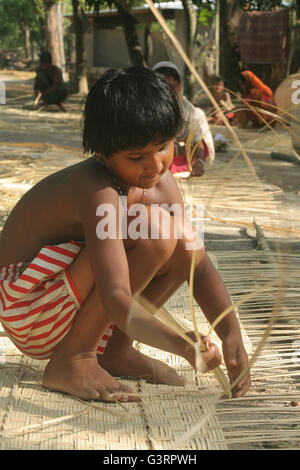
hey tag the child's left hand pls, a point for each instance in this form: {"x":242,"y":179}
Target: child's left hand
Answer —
{"x":236,"y":360}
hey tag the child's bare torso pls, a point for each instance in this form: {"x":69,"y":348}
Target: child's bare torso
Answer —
{"x":48,"y":214}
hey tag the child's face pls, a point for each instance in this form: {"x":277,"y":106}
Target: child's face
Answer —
{"x":220,"y":86}
{"x":174,"y":85}
{"x":141,"y":167}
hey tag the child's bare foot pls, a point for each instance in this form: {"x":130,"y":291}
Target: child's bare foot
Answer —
{"x":81,"y":376}
{"x":132,"y":363}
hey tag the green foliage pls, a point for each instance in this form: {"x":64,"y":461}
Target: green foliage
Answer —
{"x":205,"y":11}
{"x":205,"y":15}
{"x":15,"y":16}
{"x":156,"y":26}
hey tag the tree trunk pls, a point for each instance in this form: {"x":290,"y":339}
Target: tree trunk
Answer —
{"x":228,"y":47}
{"x":26,"y":36}
{"x":51,"y":31}
{"x":148,"y":43}
{"x":294,"y":59}
{"x":33,"y":52}
{"x":80,"y":79}
{"x":54,"y":35}
{"x":60,"y":38}
{"x":131,"y":36}
{"x":190,"y":24}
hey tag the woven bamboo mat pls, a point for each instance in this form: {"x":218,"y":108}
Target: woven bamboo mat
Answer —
{"x":33,"y":418}
{"x":191,"y":417}
{"x":230,"y":194}
{"x":265,"y":418}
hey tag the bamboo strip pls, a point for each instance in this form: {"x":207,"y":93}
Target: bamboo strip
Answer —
{"x":255,"y":439}
{"x":272,"y":228}
{"x":241,"y":411}
{"x":254,"y":422}
{"x":46,"y":423}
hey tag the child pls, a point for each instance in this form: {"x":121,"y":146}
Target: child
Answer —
{"x":223,"y":99}
{"x":195,"y":126}
{"x":63,"y":281}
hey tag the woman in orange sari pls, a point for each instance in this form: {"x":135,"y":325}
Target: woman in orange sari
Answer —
{"x":259,"y":96}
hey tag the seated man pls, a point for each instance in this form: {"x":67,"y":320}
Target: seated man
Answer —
{"x":49,"y":82}
{"x":194,"y":143}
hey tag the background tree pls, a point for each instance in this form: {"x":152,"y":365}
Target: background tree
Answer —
{"x":190,"y":31}
{"x":294,"y":56}
{"x":130,"y":31}
{"x":80,"y":83}
{"x":229,"y":56}
{"x":22,"y":25}
{"x":54,"y":41}
{"x":194,"y":18}
{"x":129,"y":25}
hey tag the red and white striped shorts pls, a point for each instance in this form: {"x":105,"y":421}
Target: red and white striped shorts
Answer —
{"x":39,"y":302}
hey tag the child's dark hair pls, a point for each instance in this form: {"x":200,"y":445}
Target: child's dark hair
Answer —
{"x":217,"y":79}
{"x":129,"y":108}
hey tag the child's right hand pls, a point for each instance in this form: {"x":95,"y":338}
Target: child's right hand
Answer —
{"x":211,"y":357}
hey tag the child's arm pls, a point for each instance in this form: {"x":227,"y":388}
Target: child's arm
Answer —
{"x":213,"y":298}
{"x":140,"y":325}
{"x":228,"y":101}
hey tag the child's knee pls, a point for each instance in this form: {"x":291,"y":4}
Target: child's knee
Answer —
{"x":187,"y":245}
{"x":161,"y":233}
{"x":155,"y":238}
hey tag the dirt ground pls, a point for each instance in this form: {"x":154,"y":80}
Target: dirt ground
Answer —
{"x":17,"y":123}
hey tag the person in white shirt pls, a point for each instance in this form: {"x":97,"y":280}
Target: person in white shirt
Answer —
{"x":194,"y":143}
